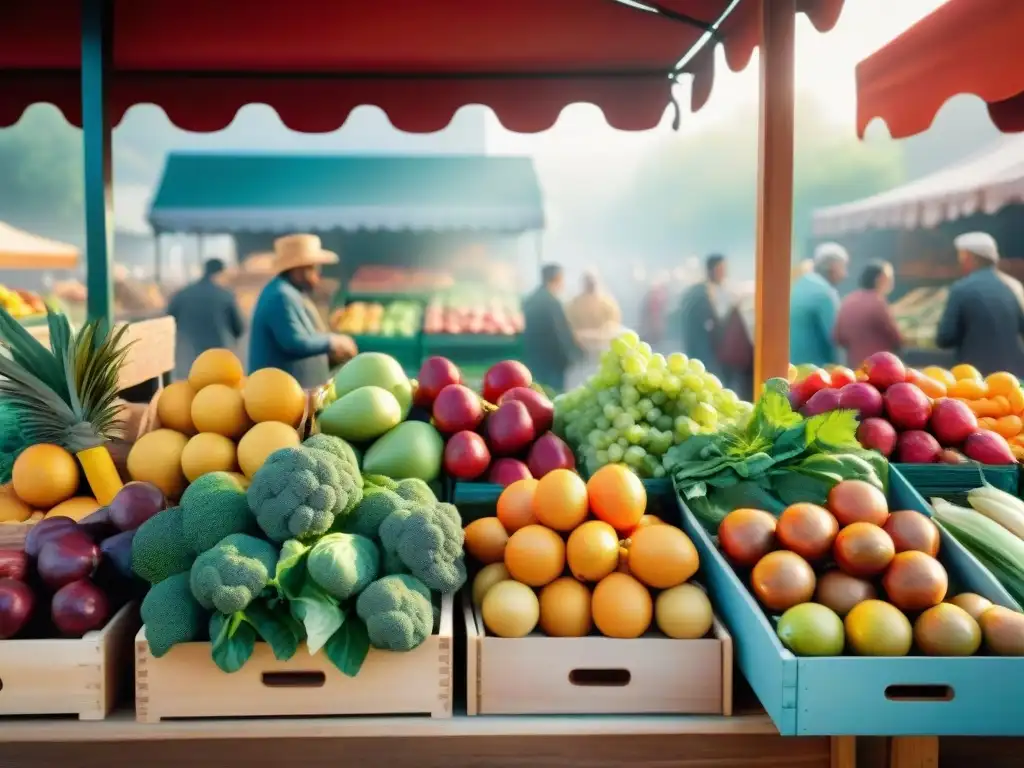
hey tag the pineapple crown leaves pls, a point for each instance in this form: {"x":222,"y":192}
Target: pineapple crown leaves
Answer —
{"x":66,"y":394}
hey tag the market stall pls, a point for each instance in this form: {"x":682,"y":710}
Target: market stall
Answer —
{"x":20,"y":250}
{"x":527,"y":61}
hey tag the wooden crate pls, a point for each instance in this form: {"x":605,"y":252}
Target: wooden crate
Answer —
{"x":185,"y":683}
{"x":68,"y":676}
{"x":540,"y":675}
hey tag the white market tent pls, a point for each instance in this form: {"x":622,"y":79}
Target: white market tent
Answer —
{"x":23,"y":250}
{"x":984,"y":182}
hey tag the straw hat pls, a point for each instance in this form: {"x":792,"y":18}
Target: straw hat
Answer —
{"x":293,"y":251}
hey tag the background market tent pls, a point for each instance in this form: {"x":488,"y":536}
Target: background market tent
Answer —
{"x":24,"y":250}
{"x":964,"y":46}
{"x":982,"y":183}
{"x":419,"y":62}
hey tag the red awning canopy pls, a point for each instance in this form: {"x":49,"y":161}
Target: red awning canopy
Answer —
{"x":314,"y":61}
{"x":964,"y":46}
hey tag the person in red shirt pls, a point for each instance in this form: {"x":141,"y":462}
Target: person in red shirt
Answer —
{"x":865,"y":324}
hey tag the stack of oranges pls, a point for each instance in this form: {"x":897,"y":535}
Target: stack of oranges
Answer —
{"x":997,"y":399}
{"x":572,"y":556}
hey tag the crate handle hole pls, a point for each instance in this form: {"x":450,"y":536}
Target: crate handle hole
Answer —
{"x":600,"y":678}
{"x":919,"y":693}
{"x":294,"y":679}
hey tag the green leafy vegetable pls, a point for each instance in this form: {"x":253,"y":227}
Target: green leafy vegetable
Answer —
{"x":776,"y":459}
{"x":232,"y":640}
{"x":348,"y":647}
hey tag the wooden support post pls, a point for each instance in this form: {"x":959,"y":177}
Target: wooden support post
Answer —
{"x":97,"y":22}
{"x":843,"y":752}
{"x":914,"y":752}
{"x":774,"y":190}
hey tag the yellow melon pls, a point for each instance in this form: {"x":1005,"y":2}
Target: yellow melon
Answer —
{"x":271,"y":394}
{"x":215,"y":366}
{"x":156,"y":458}
{"x":174,"y":408}
{"x":261,"y":441}
{"x":12,"y":509}
{"x":76,"y":508}
{"x":219,"y":408}
{"x":207,"y":452}
{"x":242,"y":479}
{"x":45,"y":475}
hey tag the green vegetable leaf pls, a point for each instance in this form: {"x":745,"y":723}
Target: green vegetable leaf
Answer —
{"x":291,"y":568}
{"x":754,"y":465}
{"x":319,"y":613}
{"x":232,"y":641}
{"x":348,"y":647}
{"x":790,"y":443}
{"x":793,"y":486}
{"x":277,"y":628}
{"x":773,"y":413}
{"x":833,"y":430}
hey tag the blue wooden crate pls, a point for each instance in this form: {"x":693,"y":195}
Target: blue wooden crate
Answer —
{"x":475,"y":500}
{"x":863,"y":696}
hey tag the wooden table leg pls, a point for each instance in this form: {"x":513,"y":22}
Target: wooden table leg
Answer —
{"x":914,"y":752}
{"x":843,"y":752}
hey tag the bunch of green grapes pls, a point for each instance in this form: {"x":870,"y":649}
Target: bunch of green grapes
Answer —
{"x":639,"y":404}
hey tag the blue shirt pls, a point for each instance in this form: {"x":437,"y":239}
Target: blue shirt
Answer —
{"x":286,"y":335}
{"x":814,"y":305}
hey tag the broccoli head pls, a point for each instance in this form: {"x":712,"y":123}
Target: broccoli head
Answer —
{"x":300,"y":492}
{"x":377,"y":503}
{"x":172,"y":615}
{"x":428,"y":541}
{"x":397,"y":612}
{"x":415,"y":491}
{"x":379,"y":481}
{"x":342,"y":564}
{"x":338,"y":448}
{"x":232,"y":574}
{"x":212,"y":507}
{"x":159,"y":548}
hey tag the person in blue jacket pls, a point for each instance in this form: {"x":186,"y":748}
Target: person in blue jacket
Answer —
{"x":813,"y":307}
{"x":287,"y":331}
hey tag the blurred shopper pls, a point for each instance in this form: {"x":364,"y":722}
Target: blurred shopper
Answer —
{"x":699,"y":315}
{"x":207,"y":317}
{"x":287,"y":330}
{"x":736,"y":345}
{"x":654,"y":310}
{"x":549,"y":345}
{"x":865,"y":324}
{"x":594,"y":312}
{"x":814,"y":305}
{"x":983,"y":319}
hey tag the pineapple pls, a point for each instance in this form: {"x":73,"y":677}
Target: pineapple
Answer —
{"x":66,"y":395}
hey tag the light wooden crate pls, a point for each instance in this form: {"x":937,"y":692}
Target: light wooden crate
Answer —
{"x":185,"y":683}
{"x":539,"y":675}
{"x":68,"y":676}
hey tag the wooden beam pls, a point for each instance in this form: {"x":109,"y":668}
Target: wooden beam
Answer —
{"x":773,"y":239}
{"x":97,"y":23}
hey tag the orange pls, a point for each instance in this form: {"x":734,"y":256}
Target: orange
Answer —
{"x":617,"y":496}
{"x":987,"y":422}
{"x":647,"y":520}
{"x":967,"y":389}
{"x":486,"y":540}
{"x":621,"y":606}
{"x":662,"y":556}
{"x":965,"y":371}
{"x":565,"y":608}
{"x":1008,"y":426}
{"x":515,"y":504}
{"x":560,"y":500}
{"x":939,"y":374}
{"x":1002,"y":383}
{"x":535,"y":555}
{"x":1016,"y":400}
{"x":1001,"y":406}
{"x":934,"y":389}
{"x":44,"y":475}
{"x":592,"y":551}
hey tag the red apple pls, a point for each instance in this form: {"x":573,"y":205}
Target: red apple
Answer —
{"x":510,"y":428}
{"x":537,"y":403}
{"x":841,"y":376}
{"x":466,"y":456}
{"x":503,"y":376}
{"x":884,"y":369}
{"x":806,"y":388}
{"x":548,"y":453}
{"x":457,"y":408}
{"x":436,"y":373}
{"x":506,"y":471}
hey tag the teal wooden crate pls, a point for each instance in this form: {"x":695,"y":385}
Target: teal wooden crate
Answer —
{"x":475,"y":500}
{"x":862,"y":696}
{"x":473,"y":349}
{"x":953,"y":481}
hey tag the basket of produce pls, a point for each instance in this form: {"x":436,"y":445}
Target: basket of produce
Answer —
{"x":218,"y":420}
{"x":66,"y":613}
{"x":831,"y":585}
{"x":392,"y":328}
{"x":583,"y":603}
{"x":473,"y":325}
{"x":937,"y":426}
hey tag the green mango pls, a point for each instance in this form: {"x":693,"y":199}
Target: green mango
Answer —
{"x":362,"y":414}
{"x":412,"y":449}
{"x":378,"y":370}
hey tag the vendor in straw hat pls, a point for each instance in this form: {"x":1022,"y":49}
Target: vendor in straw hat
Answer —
{"x":287,"y":331}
